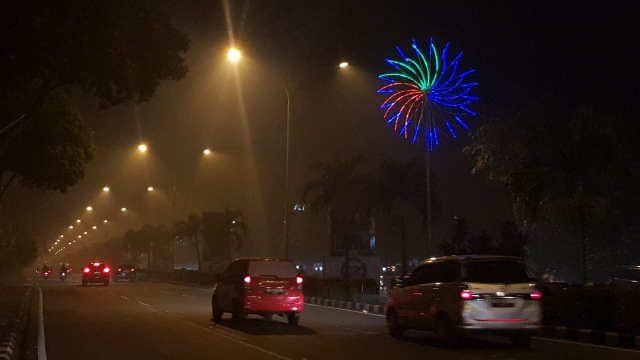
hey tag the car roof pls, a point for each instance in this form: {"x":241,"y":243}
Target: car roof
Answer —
{"x":470,"y":257}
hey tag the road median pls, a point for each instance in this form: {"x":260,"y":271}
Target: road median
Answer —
{"x":15,"y":303}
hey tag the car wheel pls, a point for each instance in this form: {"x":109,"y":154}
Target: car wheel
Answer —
{"x":215,"y":310}
{"x":453,"y":337}
{"x":293,"y":318}
{"x":268,"y":316}
{"x":522,"y":341}
{"x":393,"y":325}
{"x":238,"y":312}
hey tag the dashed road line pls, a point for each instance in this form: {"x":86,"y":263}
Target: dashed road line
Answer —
{"x":124,"y":297}
{"x":348,"y":310}
{"x":587,"y":344}
{"x":145,"y":304}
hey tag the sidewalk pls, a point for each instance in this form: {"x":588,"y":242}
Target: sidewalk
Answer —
{"x":14,"y":306}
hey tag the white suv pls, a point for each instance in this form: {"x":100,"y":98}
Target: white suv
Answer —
{"x":458,"y":295}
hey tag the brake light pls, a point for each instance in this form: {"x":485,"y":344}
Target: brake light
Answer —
{"x":133,"y":269}
{"x":106,"y":269}
{"x":465,"y":295}
{"x":119,"y":269}
{"x":299,"y":280}
{"x":536,"y":295}
{"x":247,"y":279}
{"x":86,"y":270}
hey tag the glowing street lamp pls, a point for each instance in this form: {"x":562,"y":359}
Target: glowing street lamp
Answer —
{"x":89,"y":208}
{"x":78,"y":221}
{"x":150,"y":188}
{"x":70,"y":226}
{"x":106,"y":189}
{"x":94,"y":227}
{"x":105,"y":221}
{"x":207,"y":151}
{"x":123,"y":209}
{"x":343,"y":64}
{"x":85,"y":233}
{"x":234,"y":55}
{"x":142,"y":147}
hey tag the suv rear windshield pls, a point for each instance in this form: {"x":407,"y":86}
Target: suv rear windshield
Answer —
{"x":277,"y":269}
{"x":497,"y":272}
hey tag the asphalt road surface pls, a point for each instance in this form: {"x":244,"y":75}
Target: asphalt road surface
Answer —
{"x":143,"y":320}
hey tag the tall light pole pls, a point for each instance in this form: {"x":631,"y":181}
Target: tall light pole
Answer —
{"x":234,"y":55}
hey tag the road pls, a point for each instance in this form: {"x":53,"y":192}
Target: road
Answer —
{"x":144,"y":320}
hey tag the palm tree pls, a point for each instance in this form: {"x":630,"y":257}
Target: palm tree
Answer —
{"x":399,"y":185}
{"x":344,"y":191}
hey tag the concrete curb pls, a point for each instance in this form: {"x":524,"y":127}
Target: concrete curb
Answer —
{"x":607,"y":338}
{"x":10,"y":344}
{"x":612,"y":339}
{"x":340,"y":304}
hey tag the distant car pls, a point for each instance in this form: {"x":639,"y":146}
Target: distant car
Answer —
{"x":460,"y":295}
{"x":263,"y":286}
{"x":96,"y":272}
{"x":628,"y":275}
{"x":124,"y":272}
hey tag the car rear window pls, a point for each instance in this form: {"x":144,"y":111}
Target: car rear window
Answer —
{"x":497,"y":272}
{"x":278,"y":269}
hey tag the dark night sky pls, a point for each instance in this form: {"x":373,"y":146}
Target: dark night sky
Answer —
{"x":569,"y":53}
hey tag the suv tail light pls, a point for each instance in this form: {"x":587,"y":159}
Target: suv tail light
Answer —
{"x":86,"y":270}
{"x":466,"y":295}
{"x":299,"y":281}
{"x":247,"y":282}
{"x":133,"y":269}
{"x":536,"y":295}
{"x":106,"y":269}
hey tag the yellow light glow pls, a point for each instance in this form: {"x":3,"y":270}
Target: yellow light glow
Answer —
{"x":344,"y":64}
{"x":142,"y":147}
{"x":234,"y":55}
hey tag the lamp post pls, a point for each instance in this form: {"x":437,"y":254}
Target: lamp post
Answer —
{"x":234,"y":55}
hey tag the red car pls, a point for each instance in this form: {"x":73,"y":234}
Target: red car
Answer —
{"x":263,"y":286}
{"x":96,"y":272}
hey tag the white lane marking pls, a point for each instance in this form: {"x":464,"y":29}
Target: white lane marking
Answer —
{"x":42,"y":353}
{"x":349,"y":310}
{"x":165,"y":292}
{"x":587,"y":344}
{"x":124,"y":297}
{"x":145,"y":304}
{"x":224,"y":335}
{"x":360,"y":331}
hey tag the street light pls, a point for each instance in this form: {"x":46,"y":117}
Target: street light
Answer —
{"x":234,"y":55}
{"x":106,"y":189}
{"x":94,"y":227}
{"x":70,"y":226}
{"x":150,"y":188}
{"x":123,"y":209}
{"x":78,"y":221}
{"x":142,"y":147}
{"x":105,"y":221}
{"x":89,"y":208}
{"x":207,"y":151}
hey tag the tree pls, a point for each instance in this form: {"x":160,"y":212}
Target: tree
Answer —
{"x":568,"y":168}
{"x":400,"y":191}
{"x":345,"y":192}
{"x":481,"y":244}
{"x":457,"y":243}
{"x":49,"y":155}
{"x":116,"y":51}
{"x":514,"y":241}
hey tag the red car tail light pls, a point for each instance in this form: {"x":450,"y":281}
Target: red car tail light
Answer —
{"x":299,"y":281}
{"x":536,"y":295}
{"x":247,"y":279}
{"x":106,"y":269}
{"x":119,"y":269}
{"x":466,"y":295}
{"x":133,"y":269}
{"x":86,"y":270}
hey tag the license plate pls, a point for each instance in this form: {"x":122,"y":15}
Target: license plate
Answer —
{"x":274,"y":291}
{"x":502,"y":303}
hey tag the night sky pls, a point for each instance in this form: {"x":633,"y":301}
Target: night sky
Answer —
{"x":566,"y":53}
